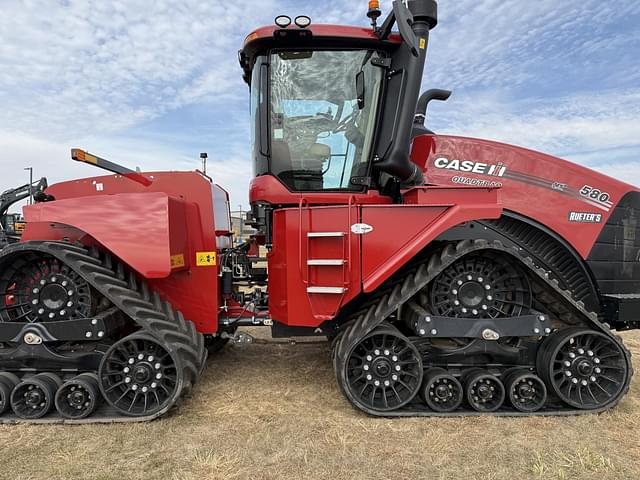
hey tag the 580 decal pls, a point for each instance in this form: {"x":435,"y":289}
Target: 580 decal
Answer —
{"x":597,"y":197}
{"x":595,"y":194}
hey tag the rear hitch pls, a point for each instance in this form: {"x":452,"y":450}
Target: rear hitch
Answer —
{"x":239,"y":338}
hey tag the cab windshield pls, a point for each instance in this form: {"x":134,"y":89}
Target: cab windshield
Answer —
{"x":323,"y":107}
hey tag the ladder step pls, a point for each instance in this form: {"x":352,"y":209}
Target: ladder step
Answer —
{"x":325,"y":262}
{"x":329,"y":290}
{"x":325,"y":234}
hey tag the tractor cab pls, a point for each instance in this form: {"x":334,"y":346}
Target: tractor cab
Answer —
{"x":322,"y":116}
{"x":332,"y":107}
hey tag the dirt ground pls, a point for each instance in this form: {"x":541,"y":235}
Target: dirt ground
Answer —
{"x":272,"y":411}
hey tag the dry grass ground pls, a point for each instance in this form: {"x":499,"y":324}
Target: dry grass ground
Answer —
{"x":267,"y":412}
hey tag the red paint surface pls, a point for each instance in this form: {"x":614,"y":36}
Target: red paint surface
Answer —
{"x":545,"y":205}
{"x":269,"y":189}
{"x":399,"y":233}
{"x":331,"y":31}
{"x":144,"y":227}
{"x":289,"y":274}
{"x":149,"y":255}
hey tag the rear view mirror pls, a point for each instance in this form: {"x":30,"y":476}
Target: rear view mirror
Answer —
{"x":360,"y":89}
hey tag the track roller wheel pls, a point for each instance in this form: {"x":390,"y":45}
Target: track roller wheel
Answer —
{"x":34,"y":397}
{"x":8,"y":382}
{"x":78,"y":397}
{"x":585,"y":368}
{"x":382,"y":372}
{"x":484,"y":392}
{"x":441,"y":391}
{"x":140,"y":377}
{"x":526,"y":391}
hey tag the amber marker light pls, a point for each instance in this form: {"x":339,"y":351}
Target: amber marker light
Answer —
{"x":374,"y":12}
{"x":82,"y":156}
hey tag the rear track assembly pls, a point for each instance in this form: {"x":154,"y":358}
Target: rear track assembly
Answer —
{"x":135,"y":370}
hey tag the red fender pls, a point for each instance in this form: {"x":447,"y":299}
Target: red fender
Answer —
{"x":159,"y":231}
{"x":132,"y":226}
{"x":401,"y":231}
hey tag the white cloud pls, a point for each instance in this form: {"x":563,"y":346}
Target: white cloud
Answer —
{"x":572,"y":124}
{"x":626,"y":172}
{"x":505,"y":42}
{"x":53,"y":160}
{"x":82,"y":66}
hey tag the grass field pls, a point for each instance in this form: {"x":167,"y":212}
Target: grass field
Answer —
{"x":272,"y":411}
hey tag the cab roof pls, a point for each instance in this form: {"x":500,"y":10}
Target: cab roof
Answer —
{"x":314,"y":36}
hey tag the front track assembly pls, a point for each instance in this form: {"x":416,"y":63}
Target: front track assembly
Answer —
{"x":83,"y":340}
{"x":560,"y":362}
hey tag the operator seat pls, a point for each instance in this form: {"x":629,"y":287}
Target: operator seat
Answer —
{"x":318,"y":154}
{"x":280,"y":157}
{"x":303,"y":174}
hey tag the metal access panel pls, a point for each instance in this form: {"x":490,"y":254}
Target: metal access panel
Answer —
{"x":314,"y":266}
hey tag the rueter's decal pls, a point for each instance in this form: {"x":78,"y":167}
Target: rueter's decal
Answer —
{"x":585,"y":217}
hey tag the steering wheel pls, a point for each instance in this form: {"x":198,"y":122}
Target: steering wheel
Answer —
{"x":315,"y":123}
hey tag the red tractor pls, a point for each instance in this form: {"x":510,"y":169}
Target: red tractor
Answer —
{"x":452,"y":275}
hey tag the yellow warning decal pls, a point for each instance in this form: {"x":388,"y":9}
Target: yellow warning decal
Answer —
{"x":206,"y":259}
{"x":177,"y":261}
{"x":423,"y":43}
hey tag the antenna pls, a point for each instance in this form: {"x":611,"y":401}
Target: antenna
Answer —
{"x":203,"y":157}
{"x":30,"y":184}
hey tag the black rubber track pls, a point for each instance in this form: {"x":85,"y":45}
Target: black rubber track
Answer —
{"x":386,"y":301}
{"x":550,"y":253}
{"x":133,"y":297}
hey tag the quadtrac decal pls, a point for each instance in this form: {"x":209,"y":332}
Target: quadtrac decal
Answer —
{"x":585,"y":217}
{"x":475,"y":182}
{"x":498,"y":171}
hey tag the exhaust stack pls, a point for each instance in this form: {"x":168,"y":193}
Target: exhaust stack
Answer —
{"x":414,"y":21}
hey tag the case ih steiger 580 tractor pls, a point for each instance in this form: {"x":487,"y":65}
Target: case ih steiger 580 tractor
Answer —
{"x":452,"y":275}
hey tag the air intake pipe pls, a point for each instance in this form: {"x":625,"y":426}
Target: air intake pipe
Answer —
{"x":414,"y":21}
{"x":425,"y":99}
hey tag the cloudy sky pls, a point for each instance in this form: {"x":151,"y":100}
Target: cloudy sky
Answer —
{"x":153,"y":84}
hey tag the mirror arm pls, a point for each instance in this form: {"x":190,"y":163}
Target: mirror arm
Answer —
{"x":404,"y":19}
{"x":387,"y":26}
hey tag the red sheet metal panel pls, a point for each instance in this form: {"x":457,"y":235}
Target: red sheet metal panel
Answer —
{"x":157,"y":230}
{"x":302,"y":236}
{"x":573,"y":201}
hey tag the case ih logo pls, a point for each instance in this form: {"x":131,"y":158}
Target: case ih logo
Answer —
{"x":472,"y":167}
{"x":582,"y":217}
